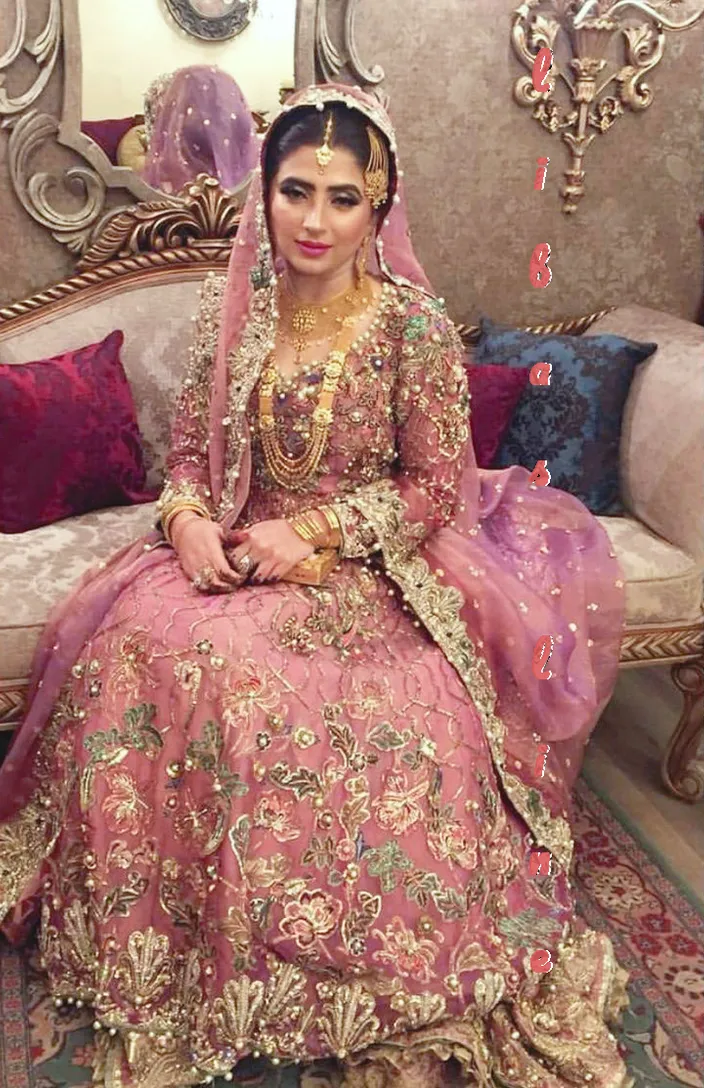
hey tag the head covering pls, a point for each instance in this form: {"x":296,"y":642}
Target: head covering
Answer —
{"x":198,"y":122}
{"x":248,"y":321}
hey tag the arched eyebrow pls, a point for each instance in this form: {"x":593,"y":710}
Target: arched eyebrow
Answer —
{"x":310,"y":188}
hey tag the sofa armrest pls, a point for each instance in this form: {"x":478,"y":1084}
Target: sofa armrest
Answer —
{"x":662,"y":438}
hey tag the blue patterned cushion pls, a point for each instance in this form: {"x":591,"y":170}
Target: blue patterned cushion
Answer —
{"x":574,"y":423}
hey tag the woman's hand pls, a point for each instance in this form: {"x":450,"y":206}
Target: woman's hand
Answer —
{"x":272,"y":545}
{"x":199,"y":546}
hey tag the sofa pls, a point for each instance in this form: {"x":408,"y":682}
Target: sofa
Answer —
{"x":660,"y":543}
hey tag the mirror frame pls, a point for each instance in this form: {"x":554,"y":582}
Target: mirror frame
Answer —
{"x":212,"y":28}
{"x":105,"y":189}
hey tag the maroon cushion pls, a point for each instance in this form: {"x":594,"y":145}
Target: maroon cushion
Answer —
{"x":108,"y":133}
{"x":496,"y":391}
{"x":69,"y":439}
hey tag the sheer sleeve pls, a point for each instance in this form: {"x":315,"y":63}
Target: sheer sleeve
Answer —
{"x":431,"y":411}
{"x":187,"y":475}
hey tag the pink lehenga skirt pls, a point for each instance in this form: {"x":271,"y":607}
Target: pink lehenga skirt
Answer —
{"x":270,"y":823}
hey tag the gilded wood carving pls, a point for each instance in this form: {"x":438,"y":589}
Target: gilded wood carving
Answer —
{"x":602,"y":52}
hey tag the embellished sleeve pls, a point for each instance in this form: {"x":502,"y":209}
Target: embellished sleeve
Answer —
{"x":187,"y":477}
{"x":431,"y":406}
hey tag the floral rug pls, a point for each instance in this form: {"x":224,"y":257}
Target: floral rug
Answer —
{"x":657,"y":930}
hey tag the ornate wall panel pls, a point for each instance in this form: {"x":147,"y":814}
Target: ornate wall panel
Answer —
{"x":29,"y":256}
{"x":470,"y":151}
{"x":57,"y":187}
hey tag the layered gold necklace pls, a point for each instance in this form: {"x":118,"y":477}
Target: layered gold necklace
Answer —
{"x":298,"y":325}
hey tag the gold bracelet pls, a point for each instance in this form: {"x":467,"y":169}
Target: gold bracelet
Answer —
{"x":333,"y":524}
{"x":302,"y":529}
{"x":175,"y":511}
{"x":173,"y":537}
{"x":309,"y":529}
{"x":181,"y":509}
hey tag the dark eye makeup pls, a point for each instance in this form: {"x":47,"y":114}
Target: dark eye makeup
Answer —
{"x":341,"y":196}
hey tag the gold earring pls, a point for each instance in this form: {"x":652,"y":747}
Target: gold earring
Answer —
{"x":362,"y":260}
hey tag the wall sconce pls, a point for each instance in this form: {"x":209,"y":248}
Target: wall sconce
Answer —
{"x":580,"y":36}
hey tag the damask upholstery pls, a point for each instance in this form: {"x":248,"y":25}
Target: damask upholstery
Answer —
{"x":663,"y":583}
{"x":662,"y":436}
{"x":575,"y":421}
{"x":40,"y":567}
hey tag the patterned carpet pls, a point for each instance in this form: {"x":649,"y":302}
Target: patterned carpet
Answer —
{"x":657,"y":931}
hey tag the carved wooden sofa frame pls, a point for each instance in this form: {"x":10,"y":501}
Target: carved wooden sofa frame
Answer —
{"x":155,"y":242}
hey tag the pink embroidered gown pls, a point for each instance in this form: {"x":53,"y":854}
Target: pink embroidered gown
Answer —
{"x":273,"y":822}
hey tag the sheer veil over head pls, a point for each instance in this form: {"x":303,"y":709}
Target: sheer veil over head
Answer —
{"x":198,"y":122}
{"x":249,"y":304}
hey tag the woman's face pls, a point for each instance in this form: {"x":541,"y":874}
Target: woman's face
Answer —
{"x":319,"y":221}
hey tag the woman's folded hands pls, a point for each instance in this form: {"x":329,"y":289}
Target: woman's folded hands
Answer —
{"x":267,"y":551}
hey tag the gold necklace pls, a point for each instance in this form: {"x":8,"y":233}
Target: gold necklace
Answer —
{"x":292,"y":472}
{"x":304,"y":326}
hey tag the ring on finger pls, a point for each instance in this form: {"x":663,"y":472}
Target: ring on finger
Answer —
{"x":245,"y":565}
{"x":204,"y":577}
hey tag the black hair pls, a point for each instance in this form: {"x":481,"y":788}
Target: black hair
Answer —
{"x":305,"y":127}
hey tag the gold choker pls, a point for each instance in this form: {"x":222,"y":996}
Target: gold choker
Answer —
{"x":303,"y":325}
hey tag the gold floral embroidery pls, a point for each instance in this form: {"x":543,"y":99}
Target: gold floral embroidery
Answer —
{"x":187,"y":463}
{"x":411,"y":956}
{"x":439,"y":607}
{"x":143,"y":970}
{"x":125,"y":809}
{"x":314,"y":915}
{"x":24,"y":842}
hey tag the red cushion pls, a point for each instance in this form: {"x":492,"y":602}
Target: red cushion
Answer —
{"x":108,"y":133}
{"x":496,"y":390}
{"x":69,"y":439}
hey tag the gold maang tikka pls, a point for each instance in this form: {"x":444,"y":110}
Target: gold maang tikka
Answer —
{"x":376,"y":175}
{"x":324,"y":153}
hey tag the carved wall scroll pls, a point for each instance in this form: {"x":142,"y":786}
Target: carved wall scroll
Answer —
{"x":336,"y":53}
{"x":46,"y":194}
{"x":599,"y":91}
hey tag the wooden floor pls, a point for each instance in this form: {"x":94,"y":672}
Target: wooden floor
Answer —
{"x":623,"y":758}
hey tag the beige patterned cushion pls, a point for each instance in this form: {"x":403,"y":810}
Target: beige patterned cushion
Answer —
{"x":157,"y":323}
{"x":663,"y":584}
{"x":40,"y":567}
{"x":662,"y":439}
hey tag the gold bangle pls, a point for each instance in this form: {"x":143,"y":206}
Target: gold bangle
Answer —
{"x":167,"y":522}
{"x":303,"y":530}
{"x":307,"y":526}
{"x":330,"y":516}
{"x":308,"y":529}
{"x":333,"y":522}
{"x":182,"y":507}
{"x":183,"y":523}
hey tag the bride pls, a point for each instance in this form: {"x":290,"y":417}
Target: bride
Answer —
{"x":286,"y":759}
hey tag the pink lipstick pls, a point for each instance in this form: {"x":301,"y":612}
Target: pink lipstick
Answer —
{"x":313,"y":249}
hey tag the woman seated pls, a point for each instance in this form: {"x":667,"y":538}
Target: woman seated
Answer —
{"x":197,"y":121}
{"x":287,"y":759}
